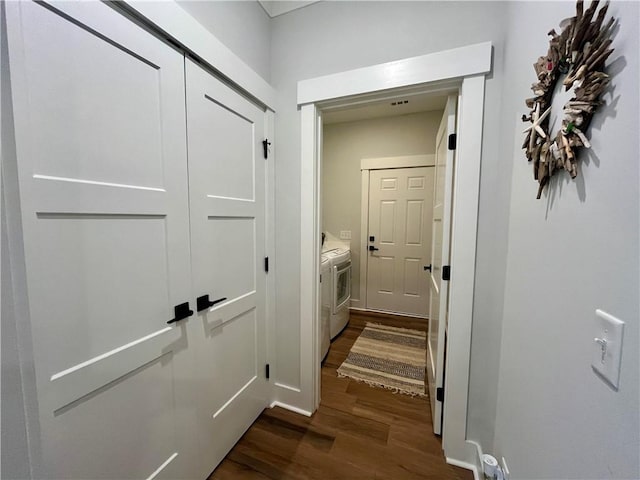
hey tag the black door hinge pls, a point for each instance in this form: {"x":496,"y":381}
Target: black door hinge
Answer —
{"x":265,"y":147}
{"x":440,"y":394}
{"x":446,"y":272}
{"x":266,"y":264}
{"x":266,"y":370}
{"x":453,"y":141}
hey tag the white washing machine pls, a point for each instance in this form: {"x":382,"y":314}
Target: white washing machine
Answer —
{"x":326,"y":283}
{"x":340,"y":289}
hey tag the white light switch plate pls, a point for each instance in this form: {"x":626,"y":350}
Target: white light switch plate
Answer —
{"x":607,"y":347}
{"x":345,"y":234}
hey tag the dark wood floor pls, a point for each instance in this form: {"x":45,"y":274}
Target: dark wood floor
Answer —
{"x":359,"y":432}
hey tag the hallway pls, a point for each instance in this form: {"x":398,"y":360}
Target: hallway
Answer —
{"x":359,"y":432}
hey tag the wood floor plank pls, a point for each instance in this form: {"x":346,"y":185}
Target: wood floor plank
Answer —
{"x":327,"y":466}
{"x":405,"y":434}
{"x":359,"y":432}
{"x":331,"y":383}
{"x":374,"y":459}
{"x":338,"y":400}
{"x":282,"y":431}
{"x":232,"y":470}
{"x":390,"y":462}
{"x":341,"y":422}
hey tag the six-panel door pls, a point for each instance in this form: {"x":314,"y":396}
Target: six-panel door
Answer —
{"x":400,"y":222}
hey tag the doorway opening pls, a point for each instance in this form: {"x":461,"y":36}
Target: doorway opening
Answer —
{"x":389,"y":215}
{"x":377,"y":163}
{"x":462,"y":68}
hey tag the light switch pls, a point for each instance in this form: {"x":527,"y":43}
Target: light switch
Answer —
{"x":607,"y":347}
{"x":345,"y":234}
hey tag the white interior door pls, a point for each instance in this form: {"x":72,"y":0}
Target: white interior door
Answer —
{"x":400,"y":234}
{"x":438,"y":288}
{"x":227,"y":199}
{"x":99,"y":123}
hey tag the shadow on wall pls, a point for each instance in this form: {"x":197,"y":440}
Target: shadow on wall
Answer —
{"x":587,"y":156}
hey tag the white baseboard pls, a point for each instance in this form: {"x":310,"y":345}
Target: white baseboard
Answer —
{"x":477,"y":458}
{"x":291,"y":408}
{"x":355,"y":303}
{"x":384,"y":311}
{"x":357,"y":309}
{"x":474,"y":454}
{"x":466,"y":465}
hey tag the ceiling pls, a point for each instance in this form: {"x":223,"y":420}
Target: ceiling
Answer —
{"x":280,"y":7}
{"x":389,"y":107}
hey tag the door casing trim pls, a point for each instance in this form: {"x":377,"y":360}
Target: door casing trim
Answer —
{"x":466,"y":67}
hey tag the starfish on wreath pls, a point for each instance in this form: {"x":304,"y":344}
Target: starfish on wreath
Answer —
{"x":535,"y":127}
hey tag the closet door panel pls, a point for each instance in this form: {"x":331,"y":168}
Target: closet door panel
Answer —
{"x":100,"y":136}
{"x":227,"y":263}
{"x":136,"y":405}
{"x":88,"y":71}
{"x":231,"y":175}
{"x":227,"y":201}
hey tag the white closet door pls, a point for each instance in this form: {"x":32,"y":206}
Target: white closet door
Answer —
{"x":227,"y":201}
{"x":100,"y":134}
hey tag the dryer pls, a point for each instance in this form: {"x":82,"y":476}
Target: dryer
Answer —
{"x":340,"y":289}
{"x":326,"y":283}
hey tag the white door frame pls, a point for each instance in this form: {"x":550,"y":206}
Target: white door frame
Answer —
{"x":467,"y":67}
{"x":366,"y":165}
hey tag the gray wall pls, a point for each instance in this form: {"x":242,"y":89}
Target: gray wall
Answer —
{"x":344,"y":145}
{"x":572,"y":251}
{"x":330,"y":37}
{"x":243,"y":26}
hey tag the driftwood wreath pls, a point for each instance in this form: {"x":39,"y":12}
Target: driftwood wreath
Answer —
{"x":579,"y":52}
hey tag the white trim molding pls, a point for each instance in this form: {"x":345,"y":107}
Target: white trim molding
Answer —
{"x":175,"y":22}
{"x":476,"y":465}
{"x":408,"y":161}
{"x":468,"y":466}
{"x":465,"y":68}
{"x":365,"y":175}
{"x":309,"y":397}
{"x":291,"y":408}
{"x":466,"y":188}
{"x":433,"y":67}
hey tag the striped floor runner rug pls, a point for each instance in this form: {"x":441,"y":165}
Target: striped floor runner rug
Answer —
{"x":389,"y":357}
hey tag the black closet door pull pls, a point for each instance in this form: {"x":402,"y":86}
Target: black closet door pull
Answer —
{"x":203,"y":302}
{"x":181,"y":312}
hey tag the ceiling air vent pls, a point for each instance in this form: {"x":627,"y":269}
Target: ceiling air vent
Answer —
{"x":399,"y":102}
